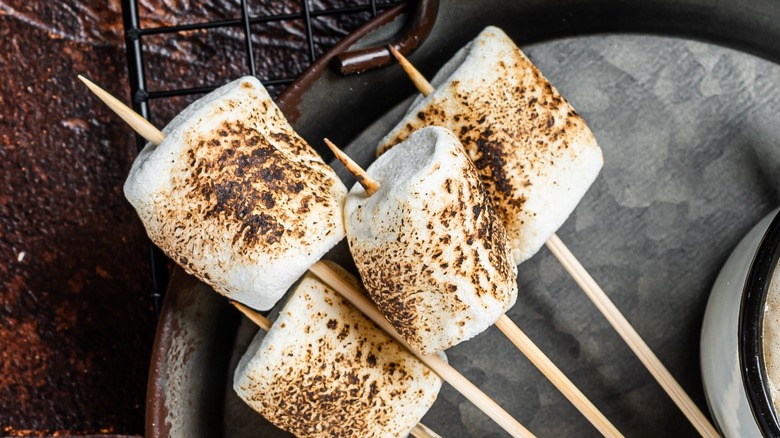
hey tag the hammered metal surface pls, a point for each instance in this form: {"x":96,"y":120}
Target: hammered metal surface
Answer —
{"x":690,"y":138}
{"x":690,"y":142}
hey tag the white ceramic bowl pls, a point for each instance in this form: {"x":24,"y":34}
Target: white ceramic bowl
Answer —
{"x":732,"y":361}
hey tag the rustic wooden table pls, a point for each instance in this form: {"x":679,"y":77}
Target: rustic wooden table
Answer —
{"x":76,"y":318}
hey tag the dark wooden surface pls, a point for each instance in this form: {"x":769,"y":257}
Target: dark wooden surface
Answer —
{"x":76,"y":325}
{"x":76,"y":319}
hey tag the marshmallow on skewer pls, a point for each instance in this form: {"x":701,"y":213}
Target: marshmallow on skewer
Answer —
{"x":326,"y":370}
{"x":353,"y":295}
{"x":513,"y":333}
{"x":236,"y":197}
{"x":535,"y":154}
{"x":592,"y":290}
{"x":431,"y":250}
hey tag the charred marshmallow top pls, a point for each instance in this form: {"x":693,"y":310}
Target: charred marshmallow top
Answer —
{"x":236,"y":197}
{"x":431,"y":250}
{"x":325,"y":370}
{"x":534,"y":153}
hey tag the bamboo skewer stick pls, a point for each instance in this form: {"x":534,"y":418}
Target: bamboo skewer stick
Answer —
{"x":631,"y":337}
{"x":331,"y":278}
{"x":139,"y":124}
{"x":422,"y":431}
{"x":602,"y":302}
{"x":369,"y":184}
{"x":556,"y":376}
{"x":419,"y":81}
{"x":516,"y":335}
{"x":419,"y":431}
{"x":259,"y":320}
{"x":434,"y":362}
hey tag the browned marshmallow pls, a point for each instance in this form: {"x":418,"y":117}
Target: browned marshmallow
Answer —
{"x":535,"y":154}
{"x":236,"y":197}
{"x":431,"y":250}
{"x":325,"y":370}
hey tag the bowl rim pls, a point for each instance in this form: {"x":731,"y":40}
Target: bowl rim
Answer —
{"x":648,"y":19}
{"x":750,"y":327}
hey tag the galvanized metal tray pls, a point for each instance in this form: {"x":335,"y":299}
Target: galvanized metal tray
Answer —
{"x":683,"y":98}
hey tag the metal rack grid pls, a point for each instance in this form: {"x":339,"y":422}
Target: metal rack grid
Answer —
{"x":142,"y":96}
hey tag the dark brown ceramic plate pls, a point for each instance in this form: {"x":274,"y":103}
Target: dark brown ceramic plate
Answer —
{"x":683,"y":98}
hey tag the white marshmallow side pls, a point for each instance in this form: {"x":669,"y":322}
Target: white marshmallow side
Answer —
{"x":535,"y":154}
{"x":236,"y":197}
{"x":325,"y":370}
{"x":431,"y":250}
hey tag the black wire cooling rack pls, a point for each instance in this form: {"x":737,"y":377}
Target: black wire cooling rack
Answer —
{"x":305,"y":13}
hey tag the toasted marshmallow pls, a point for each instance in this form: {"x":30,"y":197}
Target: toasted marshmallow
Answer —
{"x":325,"y":370}
{"x":535,"y":154}
{"x":428,"y":244}
{"x":236,"y":197}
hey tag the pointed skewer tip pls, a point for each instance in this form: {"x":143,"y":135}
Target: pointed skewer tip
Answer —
{"x":419,"y":81}
{"x":139,"y":124}
{"x":370,"y":185}
{"x":91,"y":85}
{"x":393,"y":51}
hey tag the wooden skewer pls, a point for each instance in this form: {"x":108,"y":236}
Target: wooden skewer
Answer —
{"x":434,"y":362}
{"x":139,"y":124}
{"x":259,"y":320}
{"x":631,"y":337}
{"x":348,"y":291}
{"x":603,"y":303}
{"x":419,"y":431}
{"x":417,"y":78}
{"x":369,"y":184}
{"x":524,"y":344}
{"x":422,"y":431}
